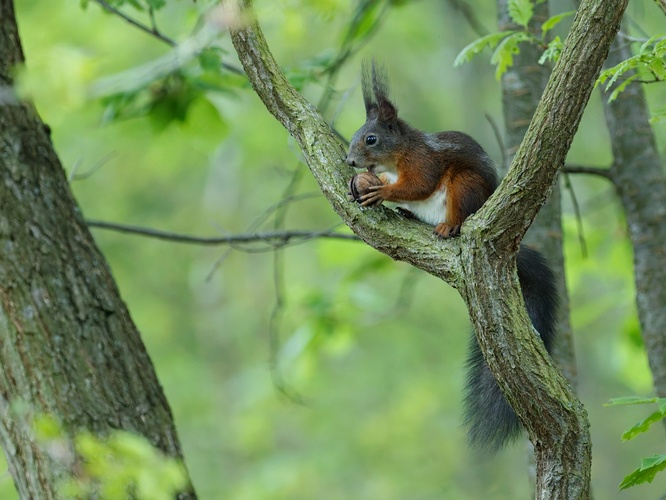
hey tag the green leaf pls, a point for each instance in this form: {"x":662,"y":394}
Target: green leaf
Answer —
{"x":657,"y":67}
{"x":620,"y":88}
{"x":647,"y":46}
{"x":643,"y":426}
{"x":210,"y":59}
{"x":552,"y":52}
{"x":610,"y":76}
{"x":551,"y":22}
{"x":503,"y":55}
{"x":521,"y":11}
{"x":645,"y":474}
{"x":156,"y":4}
{"x":47,"y":428}
{"x":660,"y":47}
{"x":659,"y":118}
{"x":478,"y":45}
{"x":363,"y":23}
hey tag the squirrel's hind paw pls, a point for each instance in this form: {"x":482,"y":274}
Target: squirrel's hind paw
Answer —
{"x":445,"y":230}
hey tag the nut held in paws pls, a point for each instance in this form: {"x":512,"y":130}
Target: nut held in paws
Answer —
{"x":361,"y":182}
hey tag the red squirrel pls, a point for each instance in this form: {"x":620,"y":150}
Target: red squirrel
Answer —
{"x":441,"y":179}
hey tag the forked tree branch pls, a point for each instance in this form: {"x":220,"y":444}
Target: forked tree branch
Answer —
{"x":324,"y":152}
{"x":480,"y":263}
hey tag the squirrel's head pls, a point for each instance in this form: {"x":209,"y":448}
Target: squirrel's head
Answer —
{"x":381,"y":137}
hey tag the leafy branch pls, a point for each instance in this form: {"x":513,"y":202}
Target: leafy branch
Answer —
{"x":647,"y":66}
{"x":650,"y":466}
{"x":506,"y":43}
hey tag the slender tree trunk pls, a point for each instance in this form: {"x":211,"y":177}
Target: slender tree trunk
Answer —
{"x":68,"y":347}
{"x":638,"y":176}
{"x":522,"y":86}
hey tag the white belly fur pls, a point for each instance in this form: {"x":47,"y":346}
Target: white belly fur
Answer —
{"x":431,"y":210}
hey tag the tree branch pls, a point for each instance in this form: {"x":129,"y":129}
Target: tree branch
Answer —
{"x":152,"y":31}
{"x":560,"y":109}
{"x":583,"y":169}
{"x":381,"y":228}
{"x":273,"y":238}
{"x":480,"y":262}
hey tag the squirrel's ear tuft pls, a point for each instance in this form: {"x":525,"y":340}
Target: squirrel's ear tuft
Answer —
{"x":374,"y":82}
{"x":368,"y":95}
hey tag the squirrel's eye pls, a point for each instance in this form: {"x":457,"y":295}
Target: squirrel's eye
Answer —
{"x":370,"y":140}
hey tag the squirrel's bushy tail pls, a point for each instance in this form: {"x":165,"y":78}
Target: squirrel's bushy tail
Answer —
{"x":490,"y":420}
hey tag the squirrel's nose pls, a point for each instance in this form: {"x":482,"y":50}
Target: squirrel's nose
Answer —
{"x":350,"y":162}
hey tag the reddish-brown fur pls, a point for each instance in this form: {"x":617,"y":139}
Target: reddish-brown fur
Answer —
{"x":421,"y":174}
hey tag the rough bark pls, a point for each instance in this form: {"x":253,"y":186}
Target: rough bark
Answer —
{"x":522,"y":86}
{"x":68,"y":347}
{"x":481,"y":262}
{"x":639,"y":179}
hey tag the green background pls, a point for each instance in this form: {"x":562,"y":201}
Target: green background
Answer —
{"x":371,"y":352}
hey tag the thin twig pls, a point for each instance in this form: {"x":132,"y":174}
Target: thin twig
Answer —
{"x":275,"y":320}
{"x":256,"y":224}
{"x":147,"y":29}
{"x":74,"y":174}
{"x":579,"y":218}
{"x":275,"y":238}
{"x":153,"y":31}
{"x":581,"y":169}
{"x":350,"y":45}
{"x":469,"y":14}
{"x":500,"y":141}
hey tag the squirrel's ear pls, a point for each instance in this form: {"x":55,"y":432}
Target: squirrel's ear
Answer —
{"x":387,"y":111}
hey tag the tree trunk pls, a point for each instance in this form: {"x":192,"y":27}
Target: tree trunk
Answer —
{"x":638,"y":176}
{"x":68,"y":347}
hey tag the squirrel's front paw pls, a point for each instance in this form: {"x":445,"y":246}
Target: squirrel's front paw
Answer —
{"x":372,"y":197}
{"x":363,"y":187}
{"x":445,"y":230}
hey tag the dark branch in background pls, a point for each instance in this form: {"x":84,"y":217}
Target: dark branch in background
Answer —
{"x":350,"y":45}
{"x":500,"y":141}
{"x":275,"y":239}
{"x":152,"y":30}
{"x":579,"y":218}
{"x":582,"y":169}
{"x":74,"y":174}
{"x":469,"y":14}
{"x":147,"y":29}
{"x":275,"y":320}
{"x":256,"y":224}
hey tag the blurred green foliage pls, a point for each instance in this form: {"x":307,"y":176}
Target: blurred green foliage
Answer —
{"x":119,"y":466}
{"x":374,"y":350}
